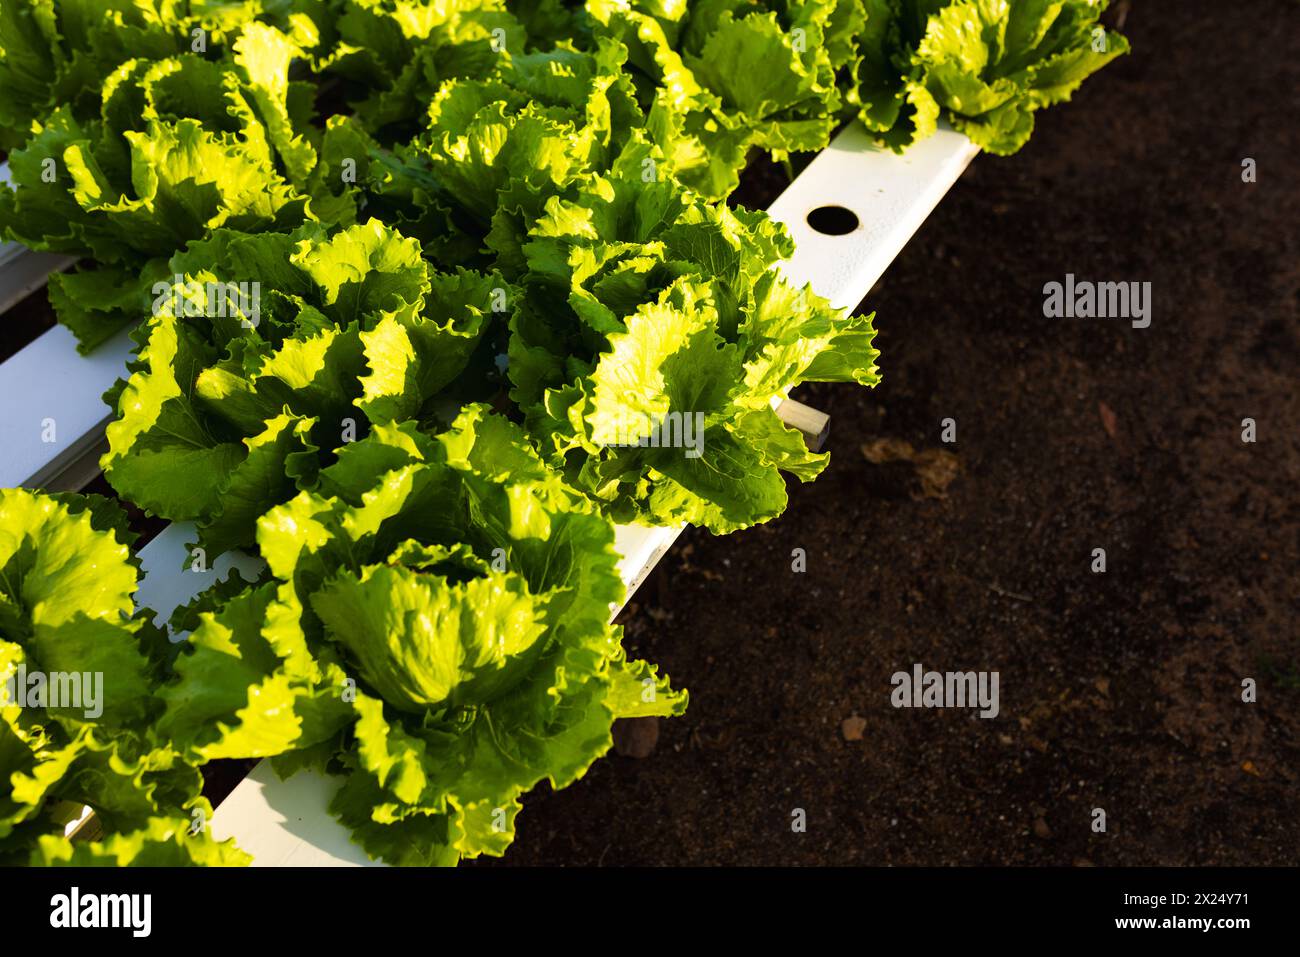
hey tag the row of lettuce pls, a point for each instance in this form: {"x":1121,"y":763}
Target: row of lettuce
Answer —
{"x":773,"y":74}
{"x":467,"y":257}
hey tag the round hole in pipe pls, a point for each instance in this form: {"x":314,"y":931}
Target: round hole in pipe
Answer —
{"x":833,"y":220}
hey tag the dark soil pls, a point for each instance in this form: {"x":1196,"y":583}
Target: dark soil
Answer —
{"x":1120,"y":691}
{"x":24,"y":321}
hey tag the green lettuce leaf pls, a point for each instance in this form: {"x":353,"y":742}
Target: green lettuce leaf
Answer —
{"x":353,"y":329}
{"x":162,"y":842}
{"x":988,"y":65}
{"x":79,"y":671}
{"x":439,"y":614}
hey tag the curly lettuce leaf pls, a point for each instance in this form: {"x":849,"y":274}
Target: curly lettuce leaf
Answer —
{"x":67,"y":612}
{"x":161,"y":842}
{"x":439,"y":612}
{"x":355,"y":329}
{"x":986,"y":65}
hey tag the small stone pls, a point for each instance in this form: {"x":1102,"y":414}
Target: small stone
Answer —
{"x":853,"y":727}
{"x":636,"y":737}
{"x":1109,"y":421}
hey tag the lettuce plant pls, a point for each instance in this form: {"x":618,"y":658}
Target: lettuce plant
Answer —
{"x":672,"y":311}
{"x":394,"y":54}
{"x":181,"y":146}
{"x":57,"y":54}
{"x":353,"y":329}
{"x":985,"y":65}
{"x":741,"y":75}
{"x":434,"y":626}
{"x":68,"y":625}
